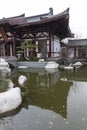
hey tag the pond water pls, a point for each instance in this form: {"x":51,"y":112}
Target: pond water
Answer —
{"x":50,"y":101}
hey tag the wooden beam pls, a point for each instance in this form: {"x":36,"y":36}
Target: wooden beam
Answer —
{"x":49,"y":45}
{"x":14,"y":45}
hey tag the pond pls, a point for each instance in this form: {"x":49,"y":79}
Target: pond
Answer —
{"x":50,"y":101}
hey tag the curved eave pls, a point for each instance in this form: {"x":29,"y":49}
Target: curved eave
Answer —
{"x":51,"y":18}
{"x":51,"y":22}
{"x":59,"y":23}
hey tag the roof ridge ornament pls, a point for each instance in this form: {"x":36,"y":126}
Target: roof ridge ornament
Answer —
{"x":51,"y":11}
{"x":49,"y":14}
{"x":68,"y":9}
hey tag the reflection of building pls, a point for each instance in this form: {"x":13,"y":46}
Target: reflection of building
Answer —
{"x":51,"y":98}
{"x":47,"y":92}
{"x":42,"y":77}
{"x":77,"y":106}
{"x":45,"y":79}
{"x":45,"y":31}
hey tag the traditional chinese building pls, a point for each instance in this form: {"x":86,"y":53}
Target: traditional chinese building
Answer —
{"x":45,"y":31}
{"x":77,"y":48}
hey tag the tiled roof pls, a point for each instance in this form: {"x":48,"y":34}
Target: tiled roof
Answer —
{"x":47,"y":17}
{"x":77,"y":42}
{"x":21,"y":25}
{"x":21,"y":19}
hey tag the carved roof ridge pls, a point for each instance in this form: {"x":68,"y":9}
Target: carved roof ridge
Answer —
{"x":22,"y":20}
{"x":65,"y":12}
{"x":6,"y":20}
{"x":41,"y":15}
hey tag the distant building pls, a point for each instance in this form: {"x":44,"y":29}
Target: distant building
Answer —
{"x":45,"y":31}
{"x":77,"y":48}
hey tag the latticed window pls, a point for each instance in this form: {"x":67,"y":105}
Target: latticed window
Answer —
{"x":42,"y":46}
{"x":82,"y":52}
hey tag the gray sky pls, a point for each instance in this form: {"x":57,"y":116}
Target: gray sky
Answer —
{"x":78,"y":9}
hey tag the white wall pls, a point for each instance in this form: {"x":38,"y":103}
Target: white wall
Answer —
{"x":71,"y":53}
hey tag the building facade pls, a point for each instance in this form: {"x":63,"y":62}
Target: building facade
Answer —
{"x":45,"y":31}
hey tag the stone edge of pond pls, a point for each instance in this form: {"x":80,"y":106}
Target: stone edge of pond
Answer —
{"x":33,"y":64}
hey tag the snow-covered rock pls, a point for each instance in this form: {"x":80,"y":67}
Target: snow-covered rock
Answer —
{"x":52,"y":64}
{"x":3,"y":63}
{"x":4,"y":67}
{"x":51,"y":70}
{"x":22,"y":67}
{"x":22,"y":79}
{"x":10,"y":100}
{"x":77,"y":64}
{"x":69,"y":67}
{"x":41,"y":60}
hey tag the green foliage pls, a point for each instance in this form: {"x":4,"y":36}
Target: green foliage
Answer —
{"x":33,"y":59}
{"x":3,"y":85}
{"x":64,"y":61}
{"x":22,"y":59}
{"x":26,"y":44}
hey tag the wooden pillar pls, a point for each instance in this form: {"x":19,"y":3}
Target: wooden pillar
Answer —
{"x":49,"y":45}
{"x":14,"y":45}
{"x":74,"y":52}
{"x":35,"y":44}
{"x":4,"y":49}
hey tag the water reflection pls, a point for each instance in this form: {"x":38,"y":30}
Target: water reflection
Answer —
{"x":51,"y":70}
{"x":50,"y":100}
{"x":45,"y":91}
{"x":76,"y":105}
